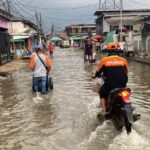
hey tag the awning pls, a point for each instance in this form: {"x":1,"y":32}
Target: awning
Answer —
{"x":19,"y":38}
{"x":97,"y":37}
{"x":76,"y":37}
{"x":85,"y":37}
{"x":56,"y":38}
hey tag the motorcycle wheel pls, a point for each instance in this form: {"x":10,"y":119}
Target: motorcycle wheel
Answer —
{"x":128,"y":125}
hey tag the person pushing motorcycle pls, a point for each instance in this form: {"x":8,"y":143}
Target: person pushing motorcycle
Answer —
{"x":114,"y":69}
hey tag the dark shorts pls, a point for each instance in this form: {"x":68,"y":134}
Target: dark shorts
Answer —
{"x":40,"y":82}
{"x":106,"y":88}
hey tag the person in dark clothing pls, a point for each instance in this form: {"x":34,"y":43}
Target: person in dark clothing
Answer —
{"x":114,"y":69}
{"x":88,"y":51}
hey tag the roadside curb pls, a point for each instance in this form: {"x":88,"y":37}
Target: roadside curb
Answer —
{"x":140,"y":60}
{"x":12,"y":66}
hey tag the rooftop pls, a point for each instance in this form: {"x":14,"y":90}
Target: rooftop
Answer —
{"x":124,"y":11}
{"x":26,"y":22}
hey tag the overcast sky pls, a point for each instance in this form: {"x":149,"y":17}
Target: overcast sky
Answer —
{"x":63,"y":12}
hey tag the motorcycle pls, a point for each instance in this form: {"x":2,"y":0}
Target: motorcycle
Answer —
{"x":120,"y":109}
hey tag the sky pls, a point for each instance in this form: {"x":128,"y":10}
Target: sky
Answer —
{"x":60,"y":13}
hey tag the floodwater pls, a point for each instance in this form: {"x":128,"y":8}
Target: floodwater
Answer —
{"x":66,"y":120}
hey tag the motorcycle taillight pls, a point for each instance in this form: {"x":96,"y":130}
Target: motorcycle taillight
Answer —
{"x":125,"y":95}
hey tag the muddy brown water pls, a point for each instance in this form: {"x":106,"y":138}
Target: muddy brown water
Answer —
{"x":67,"y":119}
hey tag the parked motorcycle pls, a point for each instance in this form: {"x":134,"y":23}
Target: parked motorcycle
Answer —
{"x":120,"y":109}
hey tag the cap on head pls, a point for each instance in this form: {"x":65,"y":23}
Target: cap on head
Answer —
{"x":38,"y":47}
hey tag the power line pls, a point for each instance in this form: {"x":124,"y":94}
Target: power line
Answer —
{"x":55,"y":26}
{"x":50,"y":9}
{"x":40,"y":4}
{"x":16,"y":11}
{"x":110,"y":5}
{"x":23,"y":10}
{"x":68,"y":19}
{"x":23,"y":6}
{"x":29,"y":2}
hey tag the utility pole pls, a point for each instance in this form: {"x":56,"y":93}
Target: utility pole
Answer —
{"x":114,"y":4}
{"x":3,"y":5}
{"x":37,"y":21}
{"x":99,"y":5}
{"x":105,"y":4}
{"x":38,"y":27}
{"x":8,"y":6}
{"x":40,"y":23}
{"x":111,"y":5}
{"x":52,"y":29}
{"x":98,"y":19}
{"x":121,"y":22}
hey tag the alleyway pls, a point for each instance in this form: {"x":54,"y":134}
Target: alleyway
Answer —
{"x":67,"y":120}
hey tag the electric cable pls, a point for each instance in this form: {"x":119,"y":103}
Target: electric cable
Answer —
{"x":81,"y":7}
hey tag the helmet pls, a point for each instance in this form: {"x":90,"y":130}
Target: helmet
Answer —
{"x":113,"y":46}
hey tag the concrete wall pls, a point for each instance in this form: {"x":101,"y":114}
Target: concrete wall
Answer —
{"x":135,"y":38}
{"x":20,"y":28}
{"x":138,"y":45}
{"x":148,"y":44}
{"x":106,"y":26}
{"x":137,"y":41}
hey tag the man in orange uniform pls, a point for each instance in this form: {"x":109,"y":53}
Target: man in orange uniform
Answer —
{"x":114,"y":69}
{"x":40,"y":70}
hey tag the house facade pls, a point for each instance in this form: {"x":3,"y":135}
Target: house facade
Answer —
{"x":24,"y":37}
{"x":80,"y":29}
{"x":4,"y":37}
{"x":110,"y":20}
{"x":140,"y":37}
{"x":77,"y":31}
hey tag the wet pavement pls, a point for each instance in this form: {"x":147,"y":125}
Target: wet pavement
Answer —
{"x":9,"y":67}
{"x":67,"y":119}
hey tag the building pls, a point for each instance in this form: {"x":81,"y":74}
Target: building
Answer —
{"x":77,"y":31}
{"x":110,"y":20}
{"x":4,"y":37}
{"x":140,"y":37}
{"x":142,"y":29}
{"x":80,"y":29}
{"x":24,"y":37}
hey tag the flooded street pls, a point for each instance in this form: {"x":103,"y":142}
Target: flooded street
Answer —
{"x":67,"y":119}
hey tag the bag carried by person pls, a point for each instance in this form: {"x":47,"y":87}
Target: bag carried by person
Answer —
{"x":97,"y":84}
